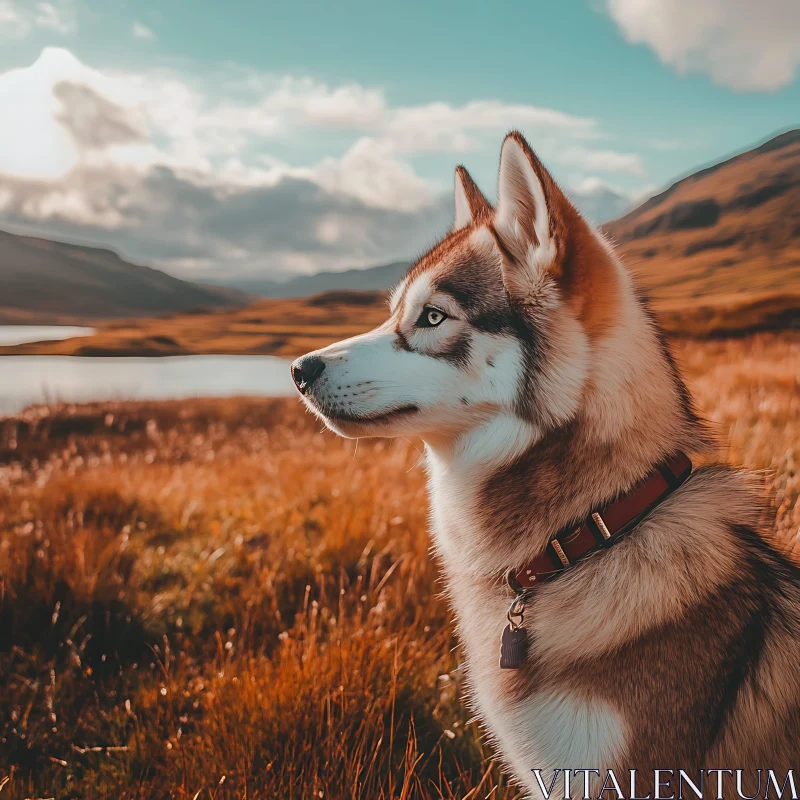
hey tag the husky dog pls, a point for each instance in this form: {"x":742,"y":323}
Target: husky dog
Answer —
{"x":519,"y":350}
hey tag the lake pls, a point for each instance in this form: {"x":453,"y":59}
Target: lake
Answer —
{"x":27,"y":380}
{"x":22,"y":334}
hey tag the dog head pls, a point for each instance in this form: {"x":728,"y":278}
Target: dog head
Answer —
{"x":495,"y":321}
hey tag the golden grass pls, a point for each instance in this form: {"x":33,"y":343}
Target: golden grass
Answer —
{"x":214,"y":599}
{"x":291,"y":327}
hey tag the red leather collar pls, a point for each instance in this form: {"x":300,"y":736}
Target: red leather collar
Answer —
{"x":603,"y":526}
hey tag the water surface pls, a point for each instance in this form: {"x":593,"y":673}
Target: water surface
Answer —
{"x":28,"y":380}
{"x":22,"y":334}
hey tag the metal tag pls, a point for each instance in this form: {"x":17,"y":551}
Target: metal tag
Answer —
{"x":513,"y":647}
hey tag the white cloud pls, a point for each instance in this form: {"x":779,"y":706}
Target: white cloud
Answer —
{"x":140,"y":31}
{"x":602,"y":160}
{"x":371,"y":172}
{"x":179,"y":171}
{"x":746,"y":45}
{"x":55,"y":16}
{"x":313,"y":103}
{"x":13,"y":24}
{"x":444,"y":127}
{"x":19,"y":18}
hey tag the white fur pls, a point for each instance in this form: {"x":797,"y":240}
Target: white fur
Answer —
{"x":567,"y":732}
{"x":418,"y":294}
{"x":395,"y":295}
{"x":546,"y":731}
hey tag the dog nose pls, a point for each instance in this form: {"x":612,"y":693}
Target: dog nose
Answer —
{"x":306,"y":370}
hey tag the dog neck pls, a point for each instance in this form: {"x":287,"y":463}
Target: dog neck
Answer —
{"x":503,"y":489}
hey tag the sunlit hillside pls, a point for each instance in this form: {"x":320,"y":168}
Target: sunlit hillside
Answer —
{"x":722,"y":235}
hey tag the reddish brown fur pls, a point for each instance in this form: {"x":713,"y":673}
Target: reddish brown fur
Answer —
{"x":583,"y":267}
{"x":479,"y":207}
{"x":443,"y":251}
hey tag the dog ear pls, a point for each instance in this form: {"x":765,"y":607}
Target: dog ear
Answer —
{"x":469,"y":200}
{"x":544,"y":240}
{"x":532,"y":217}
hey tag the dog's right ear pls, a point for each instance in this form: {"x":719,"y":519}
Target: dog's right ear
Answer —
{"x":543,"y":240}
{"x":532,"y":219}
{"x":469,"y":200}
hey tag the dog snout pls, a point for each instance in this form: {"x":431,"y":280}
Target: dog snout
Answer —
{"x":306,"y":370}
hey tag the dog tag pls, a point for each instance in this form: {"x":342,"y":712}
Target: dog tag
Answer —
{"x":513,"y":647}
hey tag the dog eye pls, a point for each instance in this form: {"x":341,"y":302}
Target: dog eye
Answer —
{"x":431,"y":317}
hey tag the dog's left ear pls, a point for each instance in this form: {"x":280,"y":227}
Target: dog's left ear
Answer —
{"x":469,"y":200}
{"x":533,"y":216}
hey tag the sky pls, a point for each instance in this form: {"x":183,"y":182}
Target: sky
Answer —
{"x":244,"y":138}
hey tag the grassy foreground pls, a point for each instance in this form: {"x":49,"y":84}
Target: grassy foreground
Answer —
{"x":215,"y":600}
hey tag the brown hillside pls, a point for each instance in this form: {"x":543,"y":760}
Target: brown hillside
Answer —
{"x":728,"y":231}
{"x":286,"y":327}
{"x":47,"y":282}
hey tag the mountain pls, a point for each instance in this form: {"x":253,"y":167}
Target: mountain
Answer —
{"x":731,"y":230}
{"x":43,"y":281}
{"x":718,"y":252}
{"x":596,"y":203}
{"x":599,"y":203}
{"x":720,"y":242}
{"x":369,"y":279}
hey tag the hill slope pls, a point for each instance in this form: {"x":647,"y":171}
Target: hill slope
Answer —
{"x":727,"y":232}
{"x":45,"y":281}
{"x":369,"y":279}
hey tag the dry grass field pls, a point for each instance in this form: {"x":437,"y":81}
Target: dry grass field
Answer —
{"x":214,"y":599}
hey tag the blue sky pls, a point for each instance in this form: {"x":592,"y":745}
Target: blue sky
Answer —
{"x":287,"y":137}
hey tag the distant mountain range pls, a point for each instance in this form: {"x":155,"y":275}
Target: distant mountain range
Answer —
{"x":600,"y":204}
{"x":43,"y":282}
{"x":728,"y":229}
{"x":597,"y":204}
{"x":369,"y":279}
